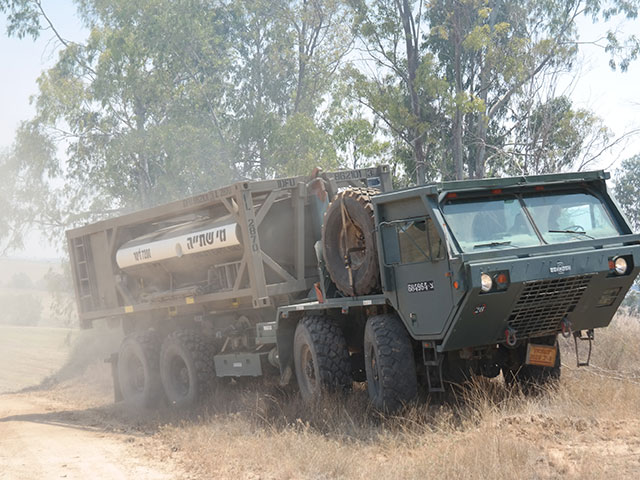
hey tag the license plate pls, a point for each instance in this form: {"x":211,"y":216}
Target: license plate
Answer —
{"x":541,"y":355}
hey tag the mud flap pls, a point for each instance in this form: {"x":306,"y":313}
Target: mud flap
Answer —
{"x":117,"y":393}
{"x":286,"y":375}
{"x":589,"y":337}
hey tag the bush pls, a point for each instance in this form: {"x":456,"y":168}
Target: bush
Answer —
{"x":20,"y":280}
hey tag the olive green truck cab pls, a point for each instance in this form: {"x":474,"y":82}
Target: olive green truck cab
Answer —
{"x":404,"y":289}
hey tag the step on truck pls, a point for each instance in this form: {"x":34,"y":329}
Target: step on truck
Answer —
{"x":336,"y":278}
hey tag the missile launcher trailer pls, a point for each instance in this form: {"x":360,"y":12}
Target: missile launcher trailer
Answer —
{"x":336,"y":278}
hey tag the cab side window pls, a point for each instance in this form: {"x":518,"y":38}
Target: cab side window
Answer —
{"x":419,"y":241}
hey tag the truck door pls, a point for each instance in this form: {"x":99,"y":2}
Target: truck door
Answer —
{"x":421,"y":275}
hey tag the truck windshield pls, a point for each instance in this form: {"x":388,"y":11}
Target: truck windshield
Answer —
{"x":570,"y":216}
{"x":488,"y":224}
{"x":498,"y":223}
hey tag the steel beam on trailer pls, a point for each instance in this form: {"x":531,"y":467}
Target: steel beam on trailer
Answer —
{"x":208,"y":199}
{"x":252,"y":262}
{"x":253,"y":251}
{"x":299,"y":229}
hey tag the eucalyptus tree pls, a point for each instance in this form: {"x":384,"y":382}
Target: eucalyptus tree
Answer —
{"x":488,"y":53}
{"x":397,"y":81}
{"x":627,"y":189}
{"x":168,"y":98}
{"x":286,"y":57}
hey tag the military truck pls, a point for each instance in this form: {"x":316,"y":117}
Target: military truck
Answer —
{"x":335,"y":278}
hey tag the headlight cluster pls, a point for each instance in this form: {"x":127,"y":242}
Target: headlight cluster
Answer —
{"x":494,"y":281}
{"x":486,"y":282}
{"x":620,"y":265}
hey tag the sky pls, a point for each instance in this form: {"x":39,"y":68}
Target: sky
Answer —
{"x":613,"y":96}
{"x":22,"y":61}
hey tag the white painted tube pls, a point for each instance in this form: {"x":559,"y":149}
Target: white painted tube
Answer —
{"x":184,"y":244}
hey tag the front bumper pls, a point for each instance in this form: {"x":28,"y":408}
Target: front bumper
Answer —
{"x":543,"y":291}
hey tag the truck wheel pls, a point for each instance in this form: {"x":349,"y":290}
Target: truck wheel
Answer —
{"x":138,"y":369}
{"x":349,"y":231}
{"x":389,"y":363}
{"x":186,"y":368}
{"x":321,"y":357}
{"x":531,"y":377}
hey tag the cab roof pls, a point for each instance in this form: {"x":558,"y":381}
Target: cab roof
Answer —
{"x":489,"y":184}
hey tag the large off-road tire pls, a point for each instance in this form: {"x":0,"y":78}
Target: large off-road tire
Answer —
{"x":532,"y":378}
{"x":348,"y":235}
{"x":138,"y":369}
{"x":187,"y":368}
{"x":389,"y":363}
{"x":320,"y":357}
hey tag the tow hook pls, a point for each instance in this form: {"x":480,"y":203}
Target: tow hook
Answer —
{"x":510,"y":335}
{"x":566,"y":327}
{"x":113,"y":360}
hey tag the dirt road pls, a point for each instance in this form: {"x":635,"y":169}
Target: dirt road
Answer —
{"x":42,"y":438}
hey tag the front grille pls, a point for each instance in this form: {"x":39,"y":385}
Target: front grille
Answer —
{"x":544,"y":303}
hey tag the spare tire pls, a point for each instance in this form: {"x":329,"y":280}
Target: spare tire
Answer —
{"x":349,"y":242}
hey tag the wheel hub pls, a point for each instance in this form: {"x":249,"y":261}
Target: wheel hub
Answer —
{"x":136,"y":380}
{"x":180,"y":375}
{"x":308,"y":368}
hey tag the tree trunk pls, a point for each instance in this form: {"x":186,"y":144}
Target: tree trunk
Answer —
{"x":457,"y":119}
{"x":142,"y":162}
{"x":411,"y":43}
{"x":483,"y":120}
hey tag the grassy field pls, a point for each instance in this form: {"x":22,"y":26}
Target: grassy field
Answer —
{"x":29,"y":354}
{"x":586,"y":427}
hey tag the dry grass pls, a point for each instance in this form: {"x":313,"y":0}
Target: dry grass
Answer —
{"x":585,"y":427}
{"x":29,"y":354}
{"x":36,"y":357}
{"x":489,"y":432}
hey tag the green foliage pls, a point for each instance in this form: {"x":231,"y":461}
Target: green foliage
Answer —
{"x":404,"y":90}
{"x":554,"y":137}
{"x":482,"y":60}
{"x":301,"y":146}
{"x":23,"y":17}
{"x":627,"y":189}
{"x":284,"y":56}
{"x":354,"y":137}
{"x":168,"y":98}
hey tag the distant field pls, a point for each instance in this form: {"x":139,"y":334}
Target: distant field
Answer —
{"x":52,"y":313}
{"x":34,"y":269}
{"x":29,"y":354}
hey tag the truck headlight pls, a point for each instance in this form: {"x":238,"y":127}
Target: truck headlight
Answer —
{"x":486,"y":282}
{"x":620,"y":266}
